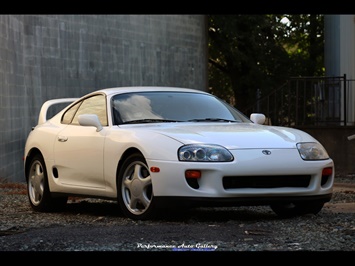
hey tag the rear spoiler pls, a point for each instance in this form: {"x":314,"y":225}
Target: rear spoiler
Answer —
{"x":42,"y":118}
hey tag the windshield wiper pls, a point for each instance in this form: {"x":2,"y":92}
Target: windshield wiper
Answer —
{"x":212,"y":120}
{"x":149,"y":120}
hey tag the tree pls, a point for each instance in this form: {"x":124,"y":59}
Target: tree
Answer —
{"x":303,"y":38}
{"x":258,"y":53}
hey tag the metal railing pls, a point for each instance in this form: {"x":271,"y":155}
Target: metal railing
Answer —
{"x":308,"y":101}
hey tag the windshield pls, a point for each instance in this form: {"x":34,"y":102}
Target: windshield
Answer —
{"x":166,"y":106}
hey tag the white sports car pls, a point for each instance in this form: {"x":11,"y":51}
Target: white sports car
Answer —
{"x":152,"y":147}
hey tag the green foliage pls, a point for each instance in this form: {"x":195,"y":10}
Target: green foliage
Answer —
{"x":250,"y":53}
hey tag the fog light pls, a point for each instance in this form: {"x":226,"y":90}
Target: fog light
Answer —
{"x":192,"y":178}
{"x":327,"y":171}
{"x":193,"y":174}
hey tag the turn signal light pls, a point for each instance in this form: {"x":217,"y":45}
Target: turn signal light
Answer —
{"x":327,"y":171}
{"x":154,"y":169}
{"x":193,"y":174}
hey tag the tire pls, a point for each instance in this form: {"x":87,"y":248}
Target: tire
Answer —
{"x":135,"y":189}
{"x":38,"y":191}
{"x":288,"y":210}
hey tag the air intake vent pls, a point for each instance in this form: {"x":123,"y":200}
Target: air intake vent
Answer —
{"x":230,"y":182}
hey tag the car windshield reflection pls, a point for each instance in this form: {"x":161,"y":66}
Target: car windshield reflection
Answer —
{"x":153,"y":107}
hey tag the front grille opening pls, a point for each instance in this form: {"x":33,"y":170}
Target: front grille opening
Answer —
{"x":230,"y":182}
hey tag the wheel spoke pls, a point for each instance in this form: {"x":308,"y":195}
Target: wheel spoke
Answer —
{"x":137,"y":185}
{"x":36,"y":182}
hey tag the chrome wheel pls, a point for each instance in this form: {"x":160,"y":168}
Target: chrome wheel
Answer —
{"x":36,"y":182}
{"x":38,"y":189}
{"x":135,"y":190}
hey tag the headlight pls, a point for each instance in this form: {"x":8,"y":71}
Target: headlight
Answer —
{"x":312,"y":151}
{"x":204,"y":153}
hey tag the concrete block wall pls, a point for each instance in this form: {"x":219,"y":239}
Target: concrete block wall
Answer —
{"x":54,"y":56}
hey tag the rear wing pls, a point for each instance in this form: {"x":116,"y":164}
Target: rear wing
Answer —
{"x":42,"y":118}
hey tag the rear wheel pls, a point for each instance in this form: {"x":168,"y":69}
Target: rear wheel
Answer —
{"x":287,"y":210}
{"x":135,"y":190}
{"x":38,"y":191}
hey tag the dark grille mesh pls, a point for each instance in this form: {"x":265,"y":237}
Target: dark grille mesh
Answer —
{"x":266,"y":181}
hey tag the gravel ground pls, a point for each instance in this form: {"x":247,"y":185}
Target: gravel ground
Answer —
{"x":98,"y":225}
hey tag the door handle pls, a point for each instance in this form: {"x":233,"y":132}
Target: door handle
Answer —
{"x":62,"y":138}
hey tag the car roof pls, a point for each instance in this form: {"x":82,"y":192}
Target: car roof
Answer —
{"x":111,"y":91}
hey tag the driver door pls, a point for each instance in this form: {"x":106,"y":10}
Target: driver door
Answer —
{"x":79,"y":150}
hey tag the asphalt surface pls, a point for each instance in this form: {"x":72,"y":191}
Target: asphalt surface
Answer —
{"x":98,"y":230}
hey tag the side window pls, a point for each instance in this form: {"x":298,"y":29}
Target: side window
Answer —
{"x":93,"y":105}
{"x":69,"y":114}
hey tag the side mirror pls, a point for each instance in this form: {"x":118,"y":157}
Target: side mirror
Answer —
{"x":90,"y":120}
{"x":257,"y":118}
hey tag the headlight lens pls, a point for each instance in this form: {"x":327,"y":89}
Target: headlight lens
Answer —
{"x":312,"y":151}
{"x":204,"y":153}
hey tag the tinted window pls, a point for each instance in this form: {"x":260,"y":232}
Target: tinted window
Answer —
{"x":93,"y":105}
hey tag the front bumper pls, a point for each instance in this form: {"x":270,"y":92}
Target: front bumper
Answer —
{"x":223,"y":180}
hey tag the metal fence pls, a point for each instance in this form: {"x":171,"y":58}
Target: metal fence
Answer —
{"x":309,"y":101}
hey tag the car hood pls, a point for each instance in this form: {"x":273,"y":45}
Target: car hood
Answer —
{"x":233,"y":135}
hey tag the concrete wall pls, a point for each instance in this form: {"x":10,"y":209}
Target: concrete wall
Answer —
{"x":52,"y":56}
{"x":339,"y":148}
{"x":339,"y":56}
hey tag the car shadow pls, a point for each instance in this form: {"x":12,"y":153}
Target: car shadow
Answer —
{"x":219,"y":214}
{"x":204,"y":214}
{"x":94,"y":208}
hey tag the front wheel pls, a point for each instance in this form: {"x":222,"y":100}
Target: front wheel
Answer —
{"x":39,"y":195}
{"x":135,"y":189}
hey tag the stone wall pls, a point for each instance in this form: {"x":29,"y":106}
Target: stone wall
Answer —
{"x":54,"y":56}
